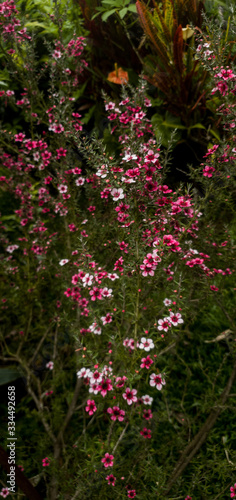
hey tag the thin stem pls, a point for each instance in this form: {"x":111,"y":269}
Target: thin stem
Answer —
{"x":120,"y":438}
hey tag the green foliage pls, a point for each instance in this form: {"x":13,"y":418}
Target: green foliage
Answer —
{"x":42,"y":321}
{"x":109,"y":7}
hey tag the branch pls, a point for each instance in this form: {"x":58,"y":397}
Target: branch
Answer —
{"x":120,"y":438}
{"x":59,"y":440}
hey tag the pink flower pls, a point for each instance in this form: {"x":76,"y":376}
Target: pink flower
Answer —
{"x":146,"y":433}
{"x":111,"y":479}
{"x":214,"y":288}
{"x":116,"y":413}
{"x":129,"y":396}
{"x":120,"y":381}
{"x":57,"y":128}
{"x":106,"y":319}
{"x":146,"y":362}
{"x":233,"y":491}
{"x":208,"y":171}
{"x":107,"y":460}
{"x":91,"y":407}
{"x":5,"y":492}
{"x":46,"y":462}
{"x":96,"y":293}
{"x":188,"y":498}
{"x":157,"y":381}
{"x":19,"y":137}
{"x":105,"y":386}
{"x":147,"y":414}
{"x":131,"y":493}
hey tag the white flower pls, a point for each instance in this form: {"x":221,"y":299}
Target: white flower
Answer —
{"x":96,"y":378}
{"x":157,"y":381}
{"x":106,"y":371}
{"x":63,"y":262}
{"x":129,"y":157}
{"x":87,"y":279}
{"x":113,"y":276}
{"x":56,"y":54}
{"x":146,"y":344}
{"x":147,"y":399}
{"x":175,"y":318}
{"x":94,"y":328}
{"x":11,"y":248}
{"x":62,"y":188}
{"x":164,"y":324}
{"x":167,"y":302}
{"x":127,"y":181}
{"x":117,"y":194}
{"x":107,"y":292}
{"x":84,"y":373}
{"x":50,"y":365}
{"x":110,"y":105}
{"x":102,"y":172}
{"x":80,"y":181}
{"x":94,"y":388}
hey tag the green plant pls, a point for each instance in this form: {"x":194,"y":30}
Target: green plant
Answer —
{"x":170,"y":29}
{"x":110,"y":7}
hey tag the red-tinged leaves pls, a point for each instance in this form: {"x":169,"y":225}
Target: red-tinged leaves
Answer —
{"x":151,"y":31}
{"x":178,"y":49}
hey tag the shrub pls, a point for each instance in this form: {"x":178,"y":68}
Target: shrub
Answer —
{"x":117,"y":292}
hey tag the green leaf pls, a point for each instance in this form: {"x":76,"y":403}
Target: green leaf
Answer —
{"x":197,"y":125}
{"x":8,"y":375}
{"x":132,"y":8}
{"x":36,"y":24}
{"x":108,"y":14}
{"x":163,"y":128}
{"x":3,"y":83}
{"x":79,"y":92}
{"x":123,"y":12}
{"x":215,"y":134}
{"x":98,"y":13}
{"x":8,"y":217}
{"x":117,"y":4}
{"x":173,"y":122}
{"x":88,"y":115}
{"x":4,"y":75}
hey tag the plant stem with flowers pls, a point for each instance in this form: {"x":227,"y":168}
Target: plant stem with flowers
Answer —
{"x":102,"y":248}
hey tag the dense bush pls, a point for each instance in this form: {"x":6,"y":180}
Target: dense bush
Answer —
{"x":118,"y":318}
